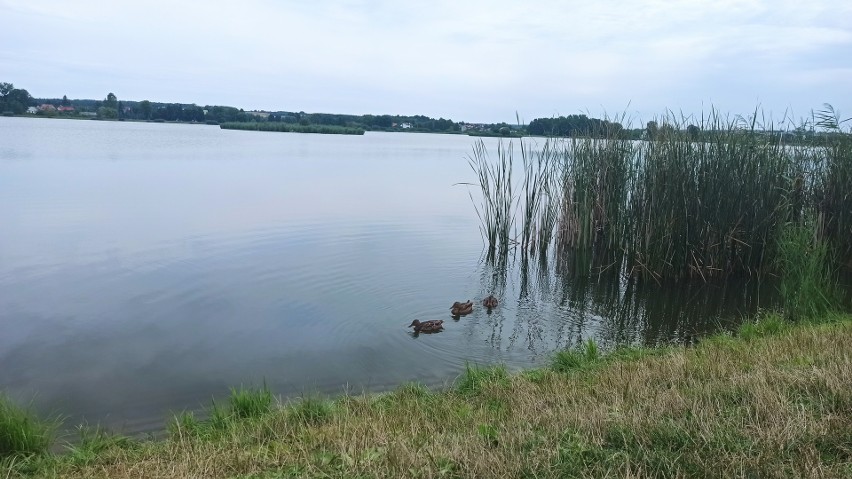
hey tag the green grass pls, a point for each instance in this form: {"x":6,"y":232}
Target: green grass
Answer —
{"x":251,"y":403}
{"x":770,"y":400}
{"x":292,"y":128}
{"x":21,"y":432}
{"x":765,"y":325}
{"x":572,"y":359}
{"x":475,"y":379}
{"x":808,"y":288}
{"x":311,"y":411}
{"x":244,"y":405}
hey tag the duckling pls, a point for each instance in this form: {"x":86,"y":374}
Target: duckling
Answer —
{"x":431,"y":326}
{"x":460,"y":309}
{"x":490,"y":302}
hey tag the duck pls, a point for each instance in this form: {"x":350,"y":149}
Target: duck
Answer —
{"x":490,"y":302}
{"x":459,"y":309}
{"x":431,"y":326}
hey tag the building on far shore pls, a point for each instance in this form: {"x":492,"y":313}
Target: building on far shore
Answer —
{"x":32,"y":110}
{"x":258,"y":114}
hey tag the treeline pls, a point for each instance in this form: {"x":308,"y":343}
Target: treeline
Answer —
{"x":415,"y":123}
{"x":574,"y":125}
{"x":14,"y":101}
{"x":17,"y":101}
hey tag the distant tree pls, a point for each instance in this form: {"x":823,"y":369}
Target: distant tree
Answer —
{"x":665,"y":130}
{"x":651,"y":129}
{"x":192,"y":113}
{"x":505,"y":131}
{"x":111,"y":101}
{"x":145,"y":109}
{"x":15,"y":100}
{"x":107,"y":113}
{"x":693,"y":131}
{"x":65,"y":101}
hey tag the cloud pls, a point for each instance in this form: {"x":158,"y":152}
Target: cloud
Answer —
{"x":476,"y":60}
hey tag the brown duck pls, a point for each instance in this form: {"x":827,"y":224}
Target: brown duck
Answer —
{"x":431,"y":326}
{"x":490,"y":302}
{"x":460,"y":309}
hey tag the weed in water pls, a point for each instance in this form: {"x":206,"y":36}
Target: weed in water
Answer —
{"x":704,"y":200}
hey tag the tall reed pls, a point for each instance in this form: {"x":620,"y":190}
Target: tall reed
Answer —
{"x":834,"y":189}
{"x":495,"y":183}
{"x":701,"y":198}
{"x":597,"y":177}
{"x":708,"y":208}
{"x":542,"y":175}
{"x":807,"y":286}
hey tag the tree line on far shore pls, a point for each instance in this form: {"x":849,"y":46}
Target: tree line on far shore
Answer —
{"x":17,"y":101}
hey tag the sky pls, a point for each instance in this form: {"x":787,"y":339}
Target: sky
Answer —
{"x":473,"y":61}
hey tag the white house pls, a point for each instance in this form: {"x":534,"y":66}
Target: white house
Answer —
{"x":32,"y":110}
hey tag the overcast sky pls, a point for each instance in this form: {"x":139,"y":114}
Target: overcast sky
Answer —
{"x":464,"y":60}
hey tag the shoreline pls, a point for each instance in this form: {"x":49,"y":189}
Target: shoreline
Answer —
{"x":767,"y":401}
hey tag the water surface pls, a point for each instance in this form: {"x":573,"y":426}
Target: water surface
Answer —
{"x":146,"y":268}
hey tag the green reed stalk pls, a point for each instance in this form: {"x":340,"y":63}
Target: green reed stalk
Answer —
{"x":808,"y":288}
{"x":833,"y":193}
{"x":551,"y":191}
{"x":698,"y":201}
{"x":495,"y":183}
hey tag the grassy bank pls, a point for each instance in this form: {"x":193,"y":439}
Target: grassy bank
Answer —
{"x":774,"y":400}
{"x":293,"y":128}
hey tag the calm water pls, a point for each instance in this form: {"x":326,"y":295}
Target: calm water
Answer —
{"x":147,"y":268}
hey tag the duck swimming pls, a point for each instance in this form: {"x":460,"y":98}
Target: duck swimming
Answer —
{"x":460,"y":309}
{"x":431,"y":326}
{"x":490,"y":302}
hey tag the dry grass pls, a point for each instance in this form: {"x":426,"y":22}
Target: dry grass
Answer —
{"x":774,"y":402}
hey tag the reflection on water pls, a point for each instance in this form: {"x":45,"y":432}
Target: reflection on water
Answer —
{"x":146,"y":268}
{"x":558,"y":309}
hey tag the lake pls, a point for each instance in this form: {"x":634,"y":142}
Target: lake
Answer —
{"x":146,"y":268}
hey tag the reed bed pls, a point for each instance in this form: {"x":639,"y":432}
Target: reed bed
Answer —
{"x":495,"y":183}
{"x":292,"y":128}
{"x":701,"y":201}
